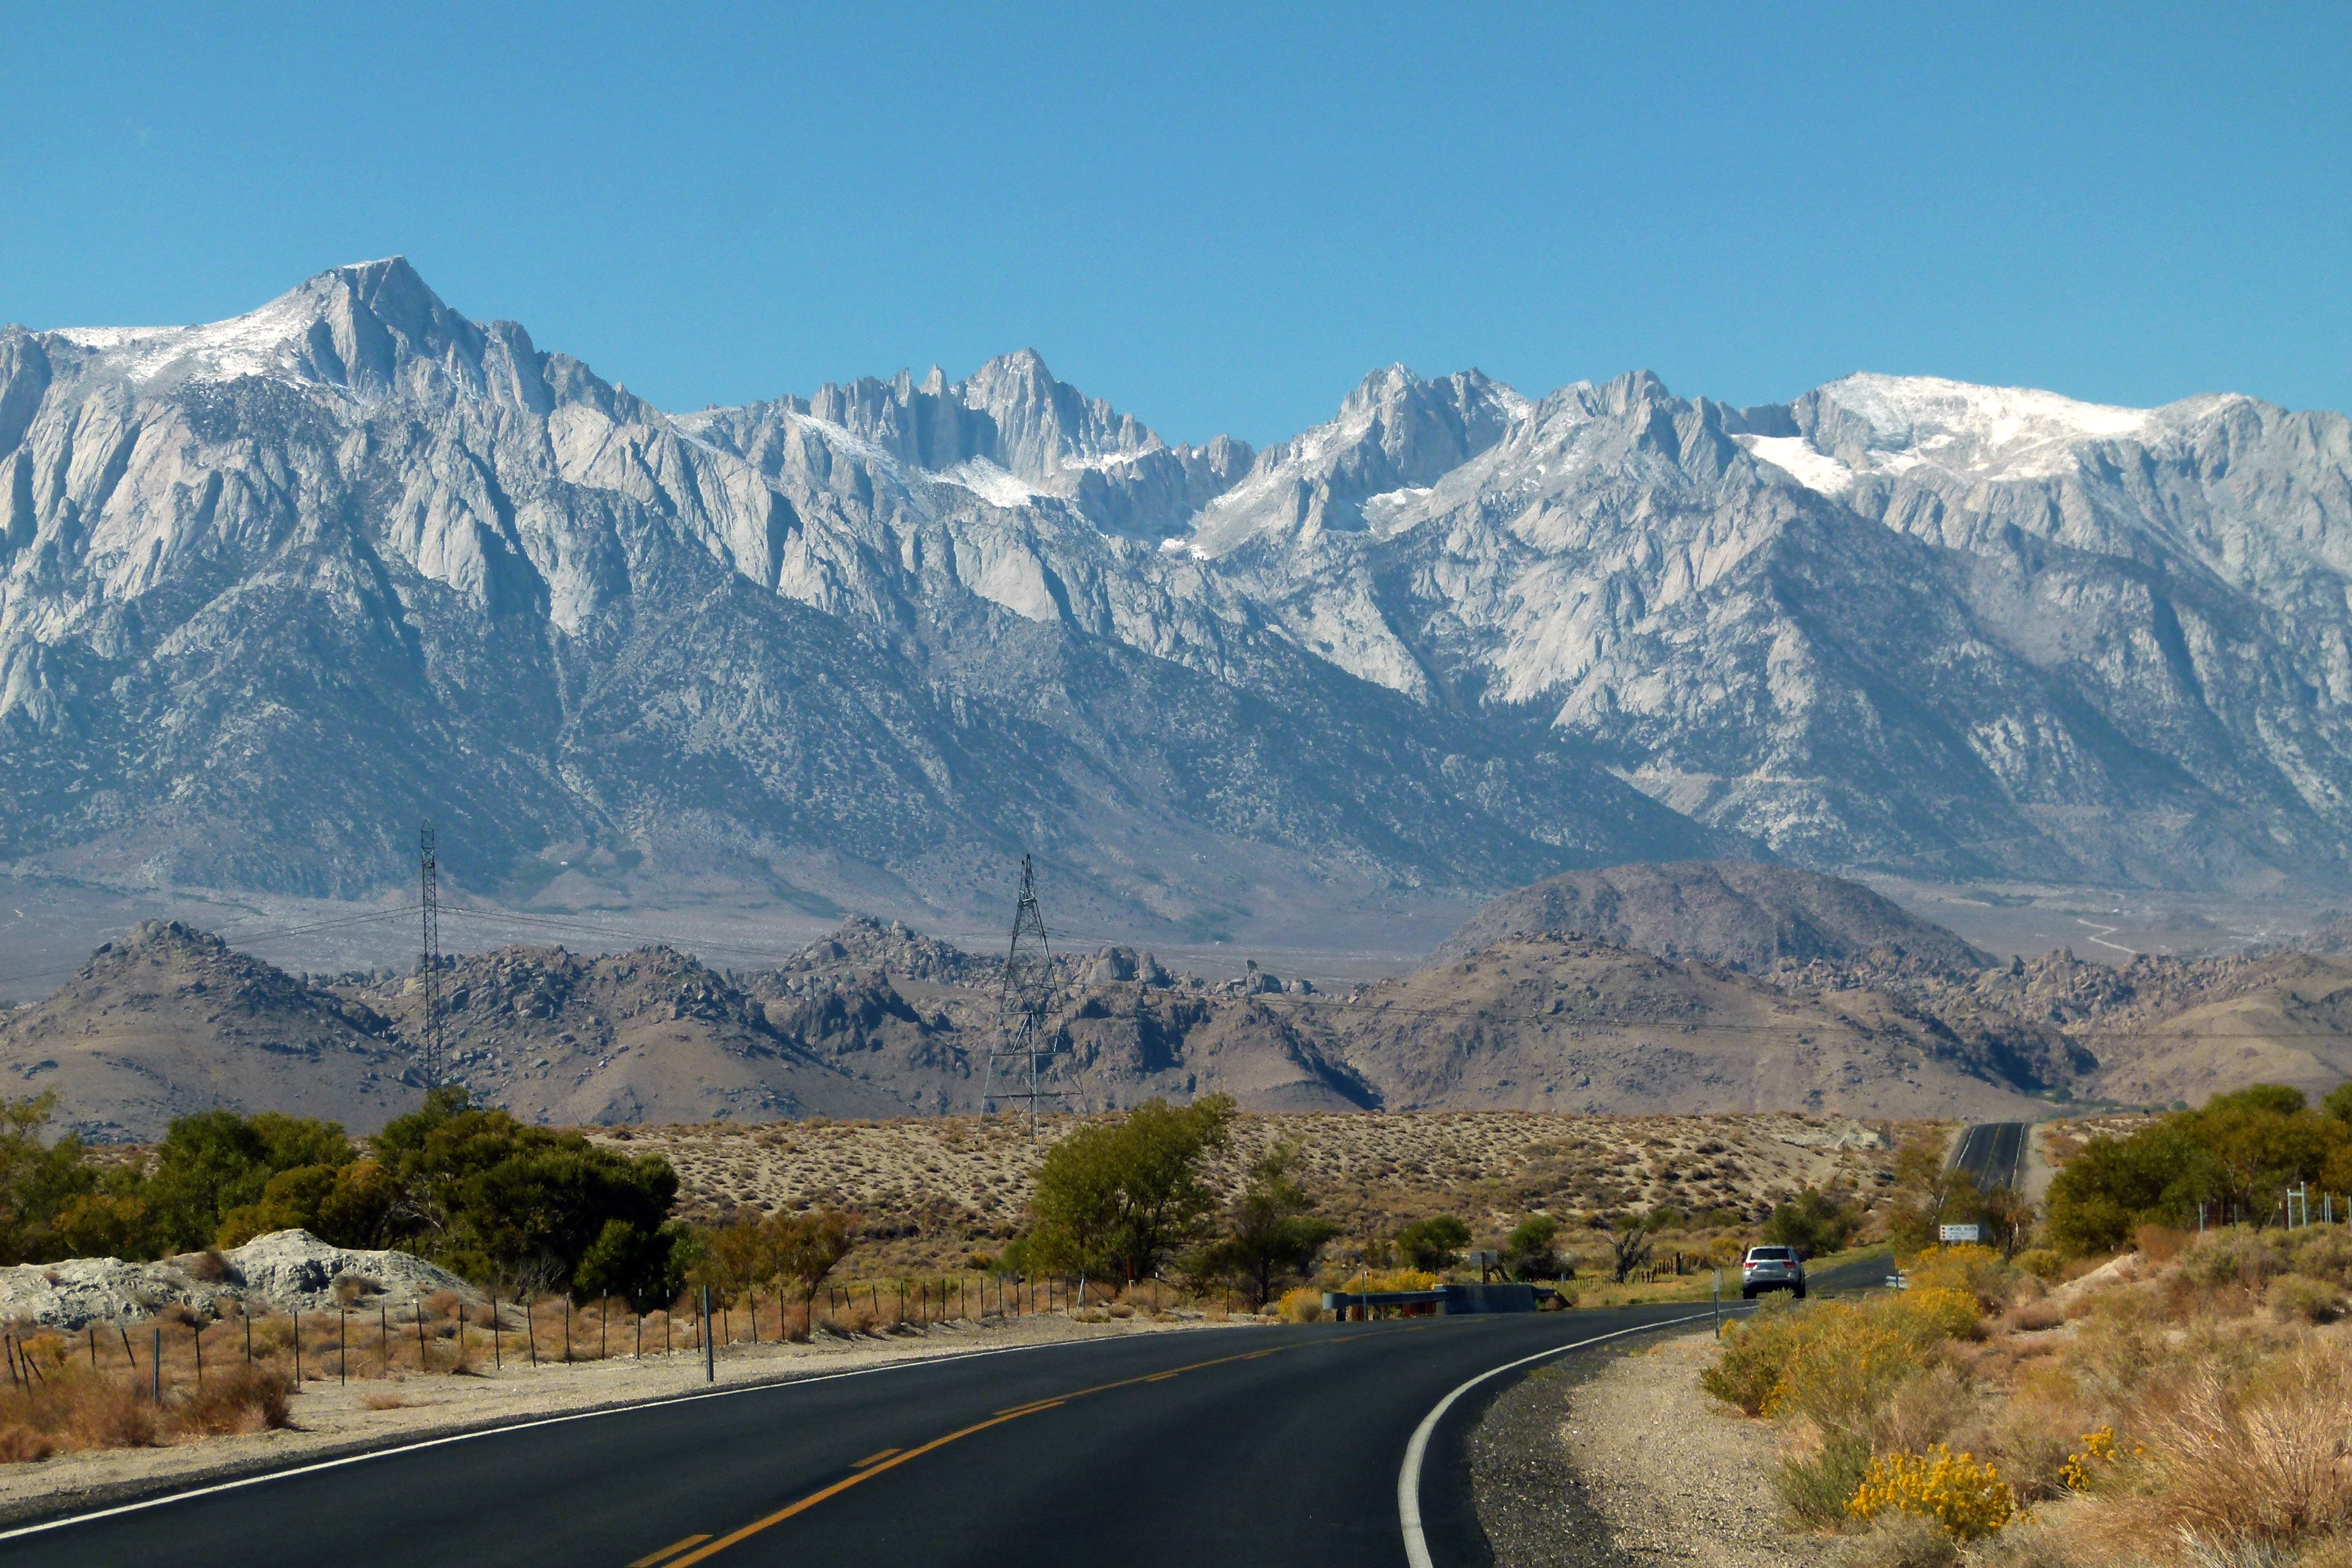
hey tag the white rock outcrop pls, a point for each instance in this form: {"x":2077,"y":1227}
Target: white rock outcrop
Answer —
{"x":285,"y":1271}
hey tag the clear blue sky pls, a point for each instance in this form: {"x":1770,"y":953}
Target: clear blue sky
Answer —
{"x":1221,"y":219}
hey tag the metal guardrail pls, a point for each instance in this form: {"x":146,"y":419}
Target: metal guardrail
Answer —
{"x":1446,"y":1298}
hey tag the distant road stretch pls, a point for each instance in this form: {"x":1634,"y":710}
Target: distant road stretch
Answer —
{"x":1993,"y":1154}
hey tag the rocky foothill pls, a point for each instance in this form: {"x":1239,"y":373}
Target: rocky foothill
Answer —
{"x":1700,"y":986}
{"x":285,"y":1271}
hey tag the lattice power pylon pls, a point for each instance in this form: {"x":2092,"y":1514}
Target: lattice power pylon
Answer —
{"x":1020,"y":1045}
{"x":428,"y":963}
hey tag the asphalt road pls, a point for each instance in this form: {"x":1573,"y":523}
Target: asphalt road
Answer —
{"x":1244,"y":1445}
{"x":1248,"y":1446}
{"x":1992,"y":1154}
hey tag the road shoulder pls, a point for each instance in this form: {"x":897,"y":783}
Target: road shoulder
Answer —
{"x":1617,"y":1455}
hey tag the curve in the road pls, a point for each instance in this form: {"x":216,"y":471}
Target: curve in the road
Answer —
{"x":1416,"y":1450}
{"x":1277,"y":1445}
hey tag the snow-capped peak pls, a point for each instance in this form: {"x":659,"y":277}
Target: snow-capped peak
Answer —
{"x":1393,"y":433}
{"x":347,"y":327}
{"x":1983,"y":432}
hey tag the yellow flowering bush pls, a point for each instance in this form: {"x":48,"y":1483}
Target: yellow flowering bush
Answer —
{"x":1965,"y":1496}
{"x":2098,"y":1446}
{"x":1836,"y":1361}
{"x":1932,"y":1312}
{"x":1303,"y":1305}
{"x":1392,"y":1280}
{"x":1976,"y":1270}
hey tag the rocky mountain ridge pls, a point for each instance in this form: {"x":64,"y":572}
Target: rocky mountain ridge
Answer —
{"x":879,"y":1020}
{"x":270,"y":589}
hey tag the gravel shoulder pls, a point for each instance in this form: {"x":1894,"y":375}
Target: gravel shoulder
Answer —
{"x":331,"y":1421}
{"x":1616,"y":1457}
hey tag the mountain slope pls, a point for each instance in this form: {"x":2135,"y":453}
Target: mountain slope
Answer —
{"x":168,"y":1021}
{"x":1553,"y":1023}
{"x":1782,"y":654}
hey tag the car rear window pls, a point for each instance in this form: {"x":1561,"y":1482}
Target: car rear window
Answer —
{"x":1768,"y":1254}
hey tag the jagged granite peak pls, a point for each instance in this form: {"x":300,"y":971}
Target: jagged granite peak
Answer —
{"x":1009,"y":434}
{"x":1394,"y":435}
{"x":354,"y":557}
{"x":2056,"y":678}
{"x":254,"y":620}
{"x":363,"y":328}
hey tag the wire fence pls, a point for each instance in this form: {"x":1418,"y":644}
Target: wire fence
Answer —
{"x":378,"y":1338}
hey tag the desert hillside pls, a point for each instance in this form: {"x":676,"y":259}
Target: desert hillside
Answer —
{"x":1732,"y":912}
{"x":168,"y":1021}
{"x":927,"y":1189}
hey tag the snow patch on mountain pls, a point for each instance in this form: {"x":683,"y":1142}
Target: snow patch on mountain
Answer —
{"x":994,"y":485}
{"x":1795,"y":457}
{"x":1990,"y":433}
{"x":259,"y":342}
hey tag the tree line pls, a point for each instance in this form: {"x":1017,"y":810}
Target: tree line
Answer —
{"x":2232,"y":1159}
{"x":530,"y":1208}
{"x":472,"y":1189}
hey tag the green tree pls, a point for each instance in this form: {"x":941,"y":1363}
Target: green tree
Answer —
{"x":2111,"y":1186}
{"x":217,"y":1160}
{"x":1813,"y":1222}
{"x":1925,"y":1183}
{"x":805,"y":1248}
{"x":1432,"y":1244}
{"x":2240,"y":1151}
{"x":1271,"y":1232}
{"x":2260,"y":1141}
{"x":645,"y":1268}
{"x":349,"y":1205}
{"x":492,"y":1199}
{"x":1528,"y":1251}
{"x":2007,"y":1216}
{"x":2271,"y":1098}
{"x":37,"y":1181}
{"x":1120,"y":1197}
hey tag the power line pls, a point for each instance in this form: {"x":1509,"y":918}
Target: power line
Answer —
{"x":1022,"y":1002}
{"x":428,"y":963}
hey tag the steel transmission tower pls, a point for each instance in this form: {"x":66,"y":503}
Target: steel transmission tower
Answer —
{"x":1020,"y":1045}
{"x":428,"y":963}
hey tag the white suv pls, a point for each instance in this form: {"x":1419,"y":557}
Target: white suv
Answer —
{"x":1772,"y":1268}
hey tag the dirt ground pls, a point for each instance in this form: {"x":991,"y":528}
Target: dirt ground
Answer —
{"x":331,"y":1419}
{"x":1627,"y":1460}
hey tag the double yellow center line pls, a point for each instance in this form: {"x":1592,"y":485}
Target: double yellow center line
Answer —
{"x":873,"y":1465}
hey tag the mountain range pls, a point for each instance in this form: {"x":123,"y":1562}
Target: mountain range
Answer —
{"x":273,"y":589}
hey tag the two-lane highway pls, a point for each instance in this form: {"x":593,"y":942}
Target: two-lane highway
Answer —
{"x":1992,"y":1154}
{"x":1259,"y":1445}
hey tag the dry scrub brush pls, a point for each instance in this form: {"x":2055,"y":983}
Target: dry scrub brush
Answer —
{"x":68,"y":1408}
{"x":2192,"y":1415}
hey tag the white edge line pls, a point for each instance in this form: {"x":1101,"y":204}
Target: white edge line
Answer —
{"x":338,"y":1462}
{"x":1416,"y":1544}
